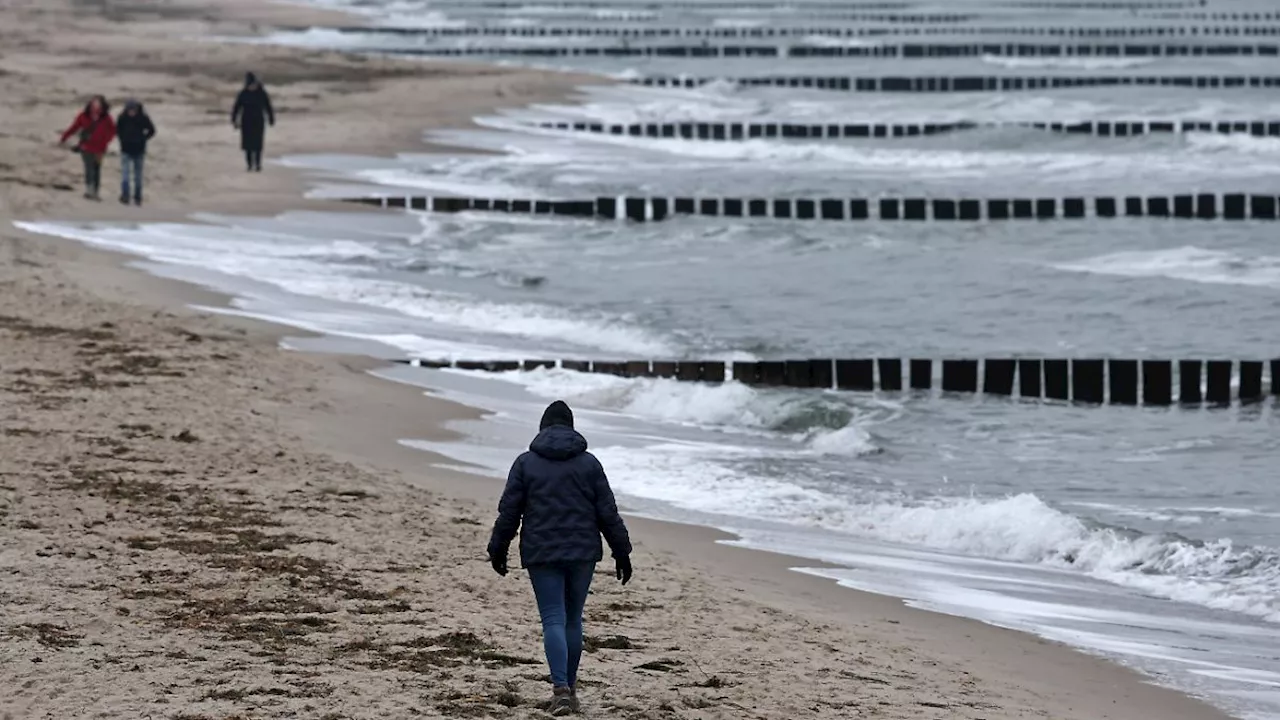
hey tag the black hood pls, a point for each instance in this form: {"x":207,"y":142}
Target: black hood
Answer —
{"x":250,"y":79}
{"x":559,"y":442}
{"x":557,"y":413}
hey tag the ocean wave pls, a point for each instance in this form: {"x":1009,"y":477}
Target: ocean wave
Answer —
{"x":826,"y":425}
{"x":1184,"y":263}
{"x":549,"y":147}
{"x":1205,"y":142}
{"x":1019,"y":528}
{"x":424,"y":266}
{"x":1022,"y":528}
{"x":307,"y":268}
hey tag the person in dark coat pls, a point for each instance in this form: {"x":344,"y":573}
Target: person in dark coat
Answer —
{"x":557,"y":495}
{"x":96,"y":131}
{"x":251,"y":115}
{"x":133,"y":129}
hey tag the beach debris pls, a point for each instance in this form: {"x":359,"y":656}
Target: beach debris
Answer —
{"x":662,"y":665}
{"x":613,"y":642}
{"x":58,"y":637}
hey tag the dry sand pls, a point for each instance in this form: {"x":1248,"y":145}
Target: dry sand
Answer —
{"x":196,"y":524}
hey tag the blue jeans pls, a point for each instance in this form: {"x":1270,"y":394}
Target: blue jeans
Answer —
{"x":561,"y":592}
{"x":134,"y":163}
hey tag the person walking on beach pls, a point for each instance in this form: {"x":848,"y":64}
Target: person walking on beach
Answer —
{"x":96,"y":131}
{"x":134,"y":129}
{"x":251,"y":115}
{"x":557,"y":495}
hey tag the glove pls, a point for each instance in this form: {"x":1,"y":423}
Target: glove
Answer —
{"x":623,"y":565}
{"x":499,"y":563}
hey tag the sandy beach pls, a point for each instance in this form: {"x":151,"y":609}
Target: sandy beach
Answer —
{"x":195,"y":523}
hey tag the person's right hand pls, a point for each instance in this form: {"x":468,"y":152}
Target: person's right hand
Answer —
{"x":622,"y":565}
{"x":499,"y":563}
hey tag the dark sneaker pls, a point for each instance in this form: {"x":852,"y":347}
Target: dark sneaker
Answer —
{"x":137,"y":200}
{"x":561,"y":702}
{"x":124,"y":199}
{"x":574,"y":705}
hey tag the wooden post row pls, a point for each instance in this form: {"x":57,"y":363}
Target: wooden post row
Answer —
{"x":1087,"y":381}
{"x":1200,"y":206}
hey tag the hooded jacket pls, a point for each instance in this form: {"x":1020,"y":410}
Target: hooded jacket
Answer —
{"x":134,"y":131}
{"x":558,"y":497}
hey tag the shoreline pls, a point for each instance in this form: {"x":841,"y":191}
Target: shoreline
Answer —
{"x":1025,"y":672}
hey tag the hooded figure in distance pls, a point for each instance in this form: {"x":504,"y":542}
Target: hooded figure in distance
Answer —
{"x":251,"y":115}
{"x":133,"y":130}
{"x":558,"y":497}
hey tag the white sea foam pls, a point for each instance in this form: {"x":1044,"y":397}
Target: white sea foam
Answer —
{"x":851,"y":440}
{"x":1185,"y":263}
{"x":1023,"y":528}
{"x":298,"y":267}
{"x":558,"y":148}
{"x":1231,"y":512}
{"x":464,"y":311}
{"x":1205,"y":142}
{"x":824,"y":426}
{"x":631,"y":103}
{"x":698,"y":478}
{"x":832,"y":41}
{"x":1019,"y":528}
{"x":448,"y":184}
{"x":1156,"y":515}
{"x":1083,"y":63}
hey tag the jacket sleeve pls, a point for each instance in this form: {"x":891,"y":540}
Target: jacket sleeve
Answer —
{"x":510,"y":510}
{"x":608,"y":520}
{"x":148,"y":128}
{"x":75,"y":125}
{"x":271,"y":114}
{"x":237,"y":108}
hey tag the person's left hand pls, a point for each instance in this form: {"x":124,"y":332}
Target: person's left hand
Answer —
{"x":622,"y":568}
{"x":499,"y":563}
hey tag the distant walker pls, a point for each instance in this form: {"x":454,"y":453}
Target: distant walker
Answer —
{"x":251,"y":115}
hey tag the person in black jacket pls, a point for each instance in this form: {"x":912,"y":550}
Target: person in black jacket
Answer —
{"x":251,"y":114}
{"x":559,"y":498}
{"x":133,"y":129}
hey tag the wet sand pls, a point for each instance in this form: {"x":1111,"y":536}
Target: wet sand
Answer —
{"x":197,"y":524}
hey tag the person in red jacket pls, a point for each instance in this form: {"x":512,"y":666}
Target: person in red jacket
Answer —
{"x":96,"y":131}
